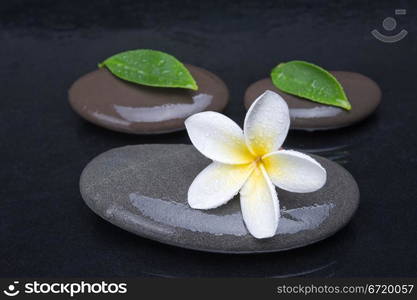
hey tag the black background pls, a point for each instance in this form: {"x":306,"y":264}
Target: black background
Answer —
{"x":47,"y":230}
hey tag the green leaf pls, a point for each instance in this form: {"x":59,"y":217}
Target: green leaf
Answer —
{"x":150,"y":67}
{"x":309,"y":81}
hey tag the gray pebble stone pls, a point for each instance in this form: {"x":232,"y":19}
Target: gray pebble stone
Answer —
{"x":143,"y":189}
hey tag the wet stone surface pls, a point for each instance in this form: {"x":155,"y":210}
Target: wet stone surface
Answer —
{"x":143,"y":189}
{"x":110,"y":102}
{"x":363,"y":94}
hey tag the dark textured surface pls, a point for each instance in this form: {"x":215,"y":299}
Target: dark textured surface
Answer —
{"x":143,"y":189}
{"x":107,"y":101}
{"x":363,"y":93}
{"x":47,"y":230}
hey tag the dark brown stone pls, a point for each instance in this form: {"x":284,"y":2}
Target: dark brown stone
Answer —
{"x":107,"y":101}
{"x":363,"y":94}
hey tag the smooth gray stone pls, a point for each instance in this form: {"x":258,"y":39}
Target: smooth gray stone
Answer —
{"x":143,"y":189}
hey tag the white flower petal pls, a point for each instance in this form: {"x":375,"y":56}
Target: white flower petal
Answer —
{"x":294,"y":171}
{"x":266,"y":124}
{"x":259,"y":203}
{"x":217,"y":184}
{"x":218,"y":138}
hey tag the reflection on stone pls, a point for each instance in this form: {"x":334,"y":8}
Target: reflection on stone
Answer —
{"x":182,"y":216}
{"x":109,"y":119}
{"x":164,"y":112}
{"x":315,"y":112}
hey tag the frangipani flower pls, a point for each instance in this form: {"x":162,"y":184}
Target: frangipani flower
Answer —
{"x":250,"y":161}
